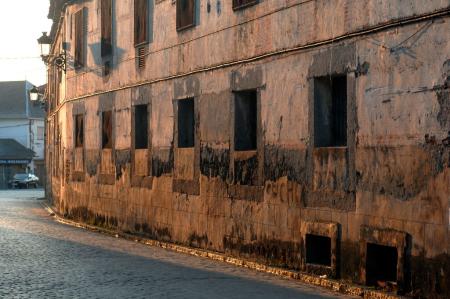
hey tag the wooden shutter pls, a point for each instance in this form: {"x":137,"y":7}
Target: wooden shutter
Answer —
{"x":79,"y":130}
{"x":140,"y":21}
{"x":106,"y":24}
{"x":107,"y":129}
{"x":79,"y":39}
{"x":237,"y":4}
{"x":185,"y":14}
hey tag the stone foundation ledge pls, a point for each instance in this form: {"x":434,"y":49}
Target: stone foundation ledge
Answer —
{"x":331,"y":284}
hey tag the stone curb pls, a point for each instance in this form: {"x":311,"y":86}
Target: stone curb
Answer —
{"x":334,"y":285}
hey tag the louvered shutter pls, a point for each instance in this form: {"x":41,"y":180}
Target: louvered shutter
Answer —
{"x":106,"y":27}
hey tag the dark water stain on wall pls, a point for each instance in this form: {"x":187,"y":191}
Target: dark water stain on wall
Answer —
{"x":162,"y":161}
{"x":215,"y":162}
{"x":402,"y":172}
{"x":269,"y":251}
{"x":155,"y":233}
{"x":198,"y":241}
{"x":280,"y":162}
{"x":443,"y":97}
{"x":92,"y":161}
{"x":122,"y":159}
{"x":349,"y":260}
{"x":246,"y":171}
{"x":83,"y":214}
{"x":430,"y":277}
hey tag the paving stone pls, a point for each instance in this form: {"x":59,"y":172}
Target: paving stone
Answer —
{"x":40,"y":258}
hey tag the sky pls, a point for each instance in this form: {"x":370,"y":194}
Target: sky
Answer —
{"x":21,"y":24}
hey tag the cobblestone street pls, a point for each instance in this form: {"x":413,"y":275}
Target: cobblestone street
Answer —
{"x":40,"y":258}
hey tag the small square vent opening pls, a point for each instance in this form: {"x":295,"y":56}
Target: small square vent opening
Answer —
{"x":381,"y":264}
{"x":318,"y":250}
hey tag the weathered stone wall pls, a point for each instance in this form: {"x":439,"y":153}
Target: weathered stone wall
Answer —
{"x":389,"y":185}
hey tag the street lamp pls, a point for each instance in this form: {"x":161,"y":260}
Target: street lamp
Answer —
{"x":37,"y":97}
{"x":45,"y":42}
{"x":34,"y":94}
{"x":58,"y":60}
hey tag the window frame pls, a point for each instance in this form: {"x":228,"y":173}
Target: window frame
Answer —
{"x":108,"y":145}
{"x":138,"y":14}
{"x":106,"y":31}
{"x":236,"y":94}
{"x":137,"y":132}
{"x":336,"y":112}
{"x":179,"y":26}
{"x":78,"y":130}
{"x":179,"y":123}
{"x":245,"y":5}
{"x":79,"y":43}
{"x":38,"y":130}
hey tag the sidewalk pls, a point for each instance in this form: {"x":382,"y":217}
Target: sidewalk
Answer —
{"x":331,"y":284}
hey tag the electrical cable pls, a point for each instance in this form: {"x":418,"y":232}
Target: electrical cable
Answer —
{"x":14,"y":126}
{"x":357,"y":33}
{"x":286,"y":7}
{"x":20,"y":58}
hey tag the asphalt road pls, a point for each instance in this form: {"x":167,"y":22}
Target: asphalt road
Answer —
{"x":40,"y":258}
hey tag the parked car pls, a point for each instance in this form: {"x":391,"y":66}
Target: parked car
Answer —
{"x":23,"y":180}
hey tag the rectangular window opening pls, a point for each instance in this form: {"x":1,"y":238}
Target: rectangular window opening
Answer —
{"x":106,"y":27}
{"x":185,"y":14}
{"x":381,"y":264}
{"x":330,"y":111}
{"x":245,"y":120}
{"x":106,"y":129}
{"x":40,"y":133}
{"x":318,"y":250}
{"x":186,"y":123}
{"x":79,"y":130}
{"x":238,"y":4}
{"x":140,"y":22}
{"x":79,"y":39}
{"x":140,"y":127}
{"x":106,"y":68}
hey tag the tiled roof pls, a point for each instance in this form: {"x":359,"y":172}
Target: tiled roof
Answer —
{"x":10,"y":149}
{"x":14,"y":99}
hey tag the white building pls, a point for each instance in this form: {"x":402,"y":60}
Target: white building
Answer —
{"x":23,"y":120}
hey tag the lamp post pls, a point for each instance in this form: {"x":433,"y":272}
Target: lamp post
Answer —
{"x":59,"y":60}
{"x":37,"y":97}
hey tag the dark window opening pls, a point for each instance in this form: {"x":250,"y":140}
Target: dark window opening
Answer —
{"x":79,"y":39}
{"x":185,"y":14}
{"x":330,"y":111}
{"x":238,"y":4}
{"x":106,"y":129}
{"x":106,"y":68}
{"x":106,"y":27}
{"x":140,"y":127}
{"x":186,"y":123}
{"x":245,"y":120}
{"x":381,"y":264}
{"x":318,"y":250}
{"x":79,"y":130}
{"x":140,"y":22}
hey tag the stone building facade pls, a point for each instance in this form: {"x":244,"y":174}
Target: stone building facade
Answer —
{"x":311,"y":135}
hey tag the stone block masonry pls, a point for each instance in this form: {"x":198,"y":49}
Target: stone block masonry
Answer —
{"x":308,"y":135}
